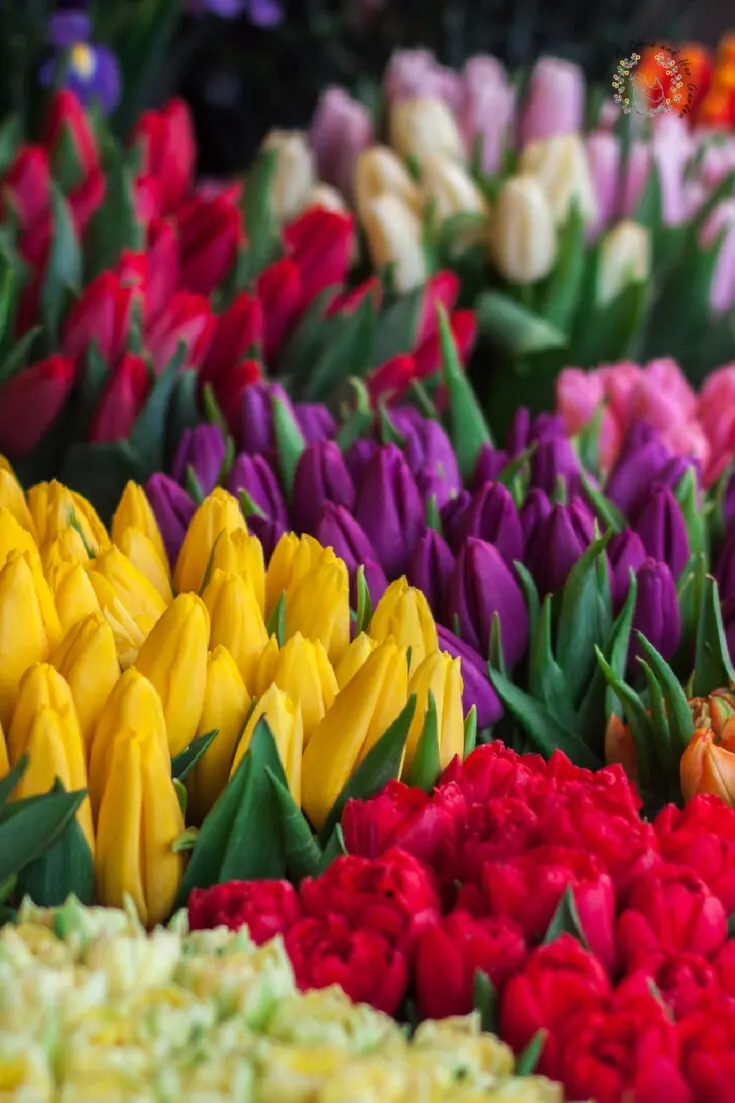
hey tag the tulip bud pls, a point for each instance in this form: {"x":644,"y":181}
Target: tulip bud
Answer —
{"x":403,"y":613}
{"x":380,"y":172}
{"x":314,"y":421}
{"x":256,"y":477}
{"x":174,"y":659}
{"x":557,"y":543}
{"x":492,"y":516}
{"x":424,"y":128}
{"x":657,"y":614}
{"x":438,"y":674}
{"x":321,"y":476}
{"x":15,"y":538}
{"x":362,"y":712}
{"x":239,"y":552}
{"x":430,"y":570}
{"x":87,"y":659}
{"x":390,"y":509}
{"x":218,"y":513}
{"x":354,"y":657}
{"x":449,"y":186}
{"x":25,"y":636}
{"x":535,"y":510}
{"x":625,"y":552}
{"x":340,"y":131}
{"x":141,"y":552}
{"x":478,"y":691}
{"x":203,"y":449}
{"x":659,"y":522}
{"x":555,"y":100}
{"x":338,"y":529}
{"x":173,"y":510}
{"x":294,"y":175}
{"x":708,"y":766}
{"x":265,"y":671}
{"x":625,"y":258}
{"x":522,"y":235}
{"x":284,"y":719}
{"x":125,"y":595}
{"x":303,"y":671}
{"x":135,"y":511}
{"x":12,"y":498}
{"x":560,"y":165}
{"x":292,"y":559}
{"x":318,"y":607}
{"x":53,"y":507}
{"x":46,"y":728}
{"x":481,"y":586}
{"x":722,"y":287}
{"x":73,"y":594}
{"x":139,"y":822}
{"x":394,"y":237}
{"x":226,"y":704}
{"x":65,"y":550}
{"x":236,"y":620}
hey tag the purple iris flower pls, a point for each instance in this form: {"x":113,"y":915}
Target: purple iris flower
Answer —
{"x":89,"y":70}
{"x":261,"y":13}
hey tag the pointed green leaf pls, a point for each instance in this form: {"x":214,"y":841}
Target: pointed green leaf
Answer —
{"x":514,"y":328}
{"x":470,"y":731}
{"x":712,"y":666}
{"x":311,"y":336}
{"x":184,"y":762}
{"x":193,"y":485}
{"x":677,"y":708}
{"x":264,"y":240}
{"x":530,"y":593}
{"x":426,"y":766}
{"x":290,"y":443}
{"x":364,"y":602}
{"x":528,"y":1060}
{"x":485,"y":1001}
{"x":148,"y":437}
{"x":580,"y":623}
{"x":66,"y":867}
{"x":212,"y":413}
{"x":598,"y":703}
{"x":302,"y":851}
{"x":30,"y":827}
{"x":468,"y":429}
{"x":183,"y":411}
{"x":433,"y":518}
{"x":608,"y":513}
{"x":495,"y":655}
{"x":10,"y":138}
{"x":348,"y":353}
{"x":637,"y":719}
{"x":566,"y":920}
{"x":334,"y":849}
{"x":247,"y":506}
{"x":397,"y":328}
{"x":388,"y":432}
{"x":276,"y":624}
{"x":560,"y":296}
{"x":11,"y":779}
{"x":17,"y":357}
{"x":64,"y":266}
{"x":356,"y":425}
{"x":668,"y":764}
{"x":546,"y":679}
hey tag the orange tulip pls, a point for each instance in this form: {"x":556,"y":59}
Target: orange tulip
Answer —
{"x":619,"y":747}
{"x":708,"y":766}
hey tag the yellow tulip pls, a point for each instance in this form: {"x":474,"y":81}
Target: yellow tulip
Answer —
{"x":12,"y":498}
{"x":65,"y":549}
{"x":395,"y":237}
{"x":133,"y":703}
{"x":87,"y":658}
{"x":403,"y":612}
{"x":73,"y":593}
{"x":439,"y":674}
{"x":265,"y":671}
{"x":356,"y":654}
{"x":46,"y":728}
{"x":236,"y":620}
{"x":218,"y":513}
{"x":239,"y":552}
{"x":142,"y":553}
{"x":135,"y":511}
{"x":130,"y":603}
{"x":226,"y":704}
{"x":379,"y":171}
{"x":53,"y":507}
{"x":294,"y":176}
{"x":423,"y":128}
{"x":561,"y":166}
{"x":139,"y":821}
{"x":319,"y":608}
{"x":304,"y":672}
{"x":292,"y":559}
{"x":174,"y":659}
{"x":24,"y":632}
{"x":13,"y":537}
{"x":4,"y":763}
{"x":284,"y":718}
{"x":360,"y":715}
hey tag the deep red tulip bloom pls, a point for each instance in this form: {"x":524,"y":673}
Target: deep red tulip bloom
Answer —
{"x":210,"y":231}
{"x":229,"y":389}
{"x":238,"y":333}
{"x":279,"y":292}
{"x":167,"y":141}
{"x":122,"y":399}
{"x":31,"y":401}
{"x":319,"y":243}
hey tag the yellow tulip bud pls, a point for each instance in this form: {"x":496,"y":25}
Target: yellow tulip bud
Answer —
{"x":423,"y":128}
{"x":292,"y":559}
{"x":439,"y":674}
{"x":378,"y":171}
{"x":451,"y":188}
{"x":135,"y":511}
{"x":304,"y":672}
{"x":139,"y":821}
{"x":54,"y":507}
{"x":87,"y":658}
{"x":46,"y":728}
{"x":267,"y":665}
{"x":403,"y":613}
{"x":356,"y":654}
{"x":294,"y":176}
{"x":130,"y":603}
{"x":239,"y":552}
{"x":73,"y":593}
{"x":561,"y":166}
{"x":226,"y":704}
{"x":625,"y":258}
{"x":319,"y":608}
{"x":236,"y":620}
{"x":24,"y":635}
{"x":14,"y":537}
{"x":394,"y":236}
{"x":12,"y":498}
{"x":174,"y":659}
{"x":218,"y":513}
{"x":133,"y":703}
{"x":522,"y":234}
{"x":65,"y":549}
{"x":141,"y":551}
{"x":284,"y":718}
{"x":360,"y":715}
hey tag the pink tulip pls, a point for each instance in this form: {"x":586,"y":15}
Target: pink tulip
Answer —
{"x":716,"y":413}
{"x":578,"y":394}
{"x":487,"y":110}
{"x":620,"y":380}
{"x":603,"y":156}
{"x":672,"y":148}
{"x":721,"y":222}
{"x":689,"y":439}
{"x":667,"y":374}
{"x":340,"y":131}
{"x":416,"y":74}
{"x":555,"y":101}
{"x":718,"y":160}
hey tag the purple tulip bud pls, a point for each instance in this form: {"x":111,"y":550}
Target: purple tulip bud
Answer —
{"x":657,"y":613}
{"x":390,"y":509}
{"x":340,"y":131}
{"x":555,"y":100}
{"x":523,"y":431}
{"x":202,"y":448}
{"x":493,"y":517}
{"x":255,"y":476}
{"x":357,"y":457}
{"x":478,"y":690}
{"x":640,"y":463}
{"x":555,"y":459}
{"x":482,"y":585}
{"x":516,"y":440}
{"x":315,"y":421}
{"x":453,"y":518}
{"x":431,"y":570}
{"x":625,"y":552}
{"x":256,"y":417}
{"x":173,"y":508}
{"x":490,"y":463}
{"x":725,"y":571}
{"x":427,"y":448}
{"x":534,"y":510}
{"x":267,"y":531}
{"x":321,"y":476}
{"x":556,"y":544}
{"x":336,"y":528}
{"x":659,"y":522}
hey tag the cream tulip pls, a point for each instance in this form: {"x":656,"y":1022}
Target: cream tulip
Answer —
{"x":522,"y":234}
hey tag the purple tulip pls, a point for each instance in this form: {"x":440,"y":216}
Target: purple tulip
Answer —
{"x":336,"y":528}
{"x":644,"y":459}
{"x":657,"y":614}
{"x":314,"y":421}
{"x":413,"y":74}
{"x":341,"y":129}
{"x":173,"y":508}
{"x":390,"y":509}
{"x":557,"y":543}
{"x":523,"y":431}
{"x":428,"y":453}
{"x":659,"y":522}
{"x":203,"y":449}
{"x":482,"y":585}
{"x":255,"y":476}
{"x":534,"y":510}
{"x":625,"y":552}
{"x":490,"y":463}
{"x":431,"y":571}
{"x":453,"y":519}
{"x":493,"y":517}
{"x":554,"y":102}
{"x":488,"y":109}
{"x":478,"y":690}
{"x":321,"y":476}
{"x":555,"y":459}
{"x":267,"y":531}
{"x":256,"y":418}
{"x":358,"y":455}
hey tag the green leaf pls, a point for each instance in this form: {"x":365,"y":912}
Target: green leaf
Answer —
{"x":380,"y":765}
{"x":148,"y":437}
{"x":468,"y":429}
{"x":290,"y":443}
{"x":64,"y":266}
{"x":609,"y":330}
{"x":11,"y":779}
{"x":86,"y":396}
{"x":66,"y":867}
{"x":8,"y":292}
{"x":303,"y":854}
{"x":606,"y":510}
{"x":276,"y":624}
{"x":678,"y":713}
{"x":397,"y":328}
{"x":348,"y":352}
{"x":187,"y":840}
{"x":566,"y":921}
{"x":470,"y":732}
{"x":687,"y":495}
{"x":668,"y":765}
{"x":530,"y":593}
{"x":388,"y":432}
{"x":212,"y":413}
{"x":712,"y":666}
{"x":527,"y":1061}
{"x":546,"y":679}
{"x":115,"y":226}
{"x":183,"y":411}
{"x":247,"y":506}
{"x":580,"y":621}
{"x":598,"y":703}
{"x":426,"y":765}
{"x":515,"y":328}
{"x":261,"y":227}
{"x":141,"y":48}
{"x":17,"y":358}
{"x":182,"y":796}
{"x":433,"y":517}
{"x":364,"y":602}
{"x":11,"y":136}
{"x":67,"y":168}
{"x":560,"y":296}
{"x":334,"y":849}
{"x":311,"y":336}
{"x":638,"y":721}
{"x":30,"y":827}
{"x":485,"y":1000}
{"x":193,"y":485}
{"x":356,"y":425}
{"x":184,"y":762}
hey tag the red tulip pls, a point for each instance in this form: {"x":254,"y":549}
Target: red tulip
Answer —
{"x":84,"y":200}
{"x":102,"y":315}
{"x":392,"y":379}
{"x":188,"y":318}
{"x":442,"y":288}
{"x":66,"y":115}
{"x":228,"y":390}
{"x":27,"y":184}
{"x":238,"y":332}
{"x":209,"y":233}
{"x":169,"y":151}
{"x":163,"y":268}
{"x":319,"y":243}
{"x":147,"y":199}
{"x":122,"y":399}
{"x":31,"y":401}
{"x":428,"y":356}
{"x":279,"y":291}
